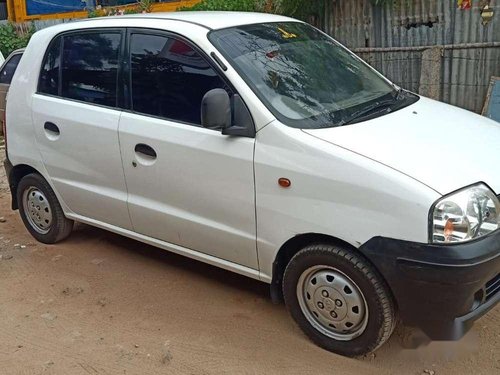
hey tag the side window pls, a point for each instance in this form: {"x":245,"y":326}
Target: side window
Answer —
{"x":9,"y":69}
{"x":49,"y":75}
{"x":90,"y":67}
{"x":169,"y":78}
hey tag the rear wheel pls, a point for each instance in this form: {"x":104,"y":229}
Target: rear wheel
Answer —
{"x":40,"y":210}
{"x":338,"y":300}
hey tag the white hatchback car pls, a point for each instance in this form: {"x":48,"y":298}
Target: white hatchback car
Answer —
{"x":261,"y":145}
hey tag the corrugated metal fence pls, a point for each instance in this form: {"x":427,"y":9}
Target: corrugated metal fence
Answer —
{"x":392,"y":38}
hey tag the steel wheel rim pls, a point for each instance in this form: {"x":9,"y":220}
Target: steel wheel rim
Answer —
{"x":37,"y":210}
{"x":332,"y":303}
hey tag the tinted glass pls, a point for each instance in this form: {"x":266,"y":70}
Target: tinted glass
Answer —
{"x":9,"y":69}
{"x":90,"y":67}
{"x":169,"y":78}
{"x":304,"y":77}
{"x":49,"y":76}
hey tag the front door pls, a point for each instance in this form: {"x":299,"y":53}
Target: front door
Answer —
{"x":187,"y":185}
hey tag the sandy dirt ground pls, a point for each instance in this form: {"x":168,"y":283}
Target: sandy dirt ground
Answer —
{"x":99,"y":303}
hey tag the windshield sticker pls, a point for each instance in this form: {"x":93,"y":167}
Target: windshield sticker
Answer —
{"x":285,"y":34}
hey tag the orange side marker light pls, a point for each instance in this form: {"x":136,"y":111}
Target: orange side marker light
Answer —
{"x":284,"y":182}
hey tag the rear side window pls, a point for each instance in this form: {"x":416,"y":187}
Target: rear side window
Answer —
{"x":90,"y":67}
{"x":169,"y":78}
{"x":49,"y":76}
{"x":9,"y":69}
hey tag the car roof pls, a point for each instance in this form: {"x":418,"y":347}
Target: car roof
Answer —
{"x":209,"y":20}
{"x":19,"y":50}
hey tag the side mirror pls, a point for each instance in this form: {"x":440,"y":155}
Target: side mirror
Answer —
{"x":242,"y":124}
{"x":216,"y":110}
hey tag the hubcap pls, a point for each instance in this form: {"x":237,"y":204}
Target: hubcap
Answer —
{"x":332,"y":303}
{"x":37,"y":209}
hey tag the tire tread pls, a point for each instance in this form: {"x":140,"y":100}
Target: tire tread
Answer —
{"x":63,"y":225}
{"x":388,"y":310}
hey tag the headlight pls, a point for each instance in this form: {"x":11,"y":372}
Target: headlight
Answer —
{"x":465,"y":215}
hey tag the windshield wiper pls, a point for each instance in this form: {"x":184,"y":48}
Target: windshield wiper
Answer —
{"x":378,"y":106}
{"x":398,"y":95}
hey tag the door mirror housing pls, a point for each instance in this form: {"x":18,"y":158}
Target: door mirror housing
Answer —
{"x":218,"y":111}
{"x":242,"y":124}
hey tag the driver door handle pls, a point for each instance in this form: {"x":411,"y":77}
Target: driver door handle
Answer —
{"x":51,"y":127}
{"x":145,"y":150}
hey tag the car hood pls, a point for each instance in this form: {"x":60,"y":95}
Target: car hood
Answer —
{"x":444,"y":147}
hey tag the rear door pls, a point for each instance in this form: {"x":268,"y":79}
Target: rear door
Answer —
{"x":76,"y":116}
{"x":187,"y":185}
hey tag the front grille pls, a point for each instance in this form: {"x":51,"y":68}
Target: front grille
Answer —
{"x":492,"y":287}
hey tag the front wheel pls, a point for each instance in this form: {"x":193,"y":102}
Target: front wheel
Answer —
{"x":338,"y":299}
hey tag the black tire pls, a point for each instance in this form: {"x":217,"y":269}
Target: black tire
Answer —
{"x":60,"y":227}
{"x":381,"y":319}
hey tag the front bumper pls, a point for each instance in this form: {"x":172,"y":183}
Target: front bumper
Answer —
{"x":441,"y":289}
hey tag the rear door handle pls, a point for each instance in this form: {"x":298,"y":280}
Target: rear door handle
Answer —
{"x":52,"y":128}
{"x":143,"y":149}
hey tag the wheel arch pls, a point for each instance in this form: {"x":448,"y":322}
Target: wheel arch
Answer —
{"x":15,"y":176}
{"x":293,"y":246}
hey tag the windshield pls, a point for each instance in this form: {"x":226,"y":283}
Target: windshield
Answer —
{"x":303,"y":76}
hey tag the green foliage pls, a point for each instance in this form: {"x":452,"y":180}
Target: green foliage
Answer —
{"x":144,"y":6}
{"x":294,"y":8}
{"x":141,"y":6}
{"x":11,"y":39}
{"x":302,"y":9}
{"x":93,"y":13}
{"x":228,"y":5}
